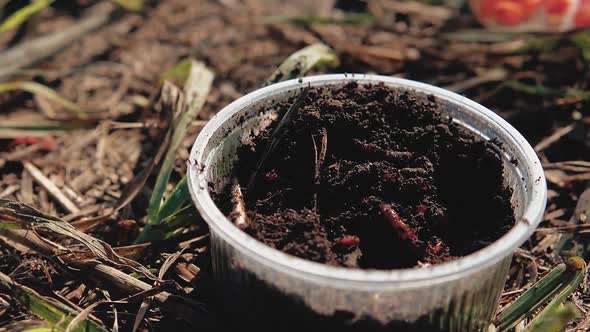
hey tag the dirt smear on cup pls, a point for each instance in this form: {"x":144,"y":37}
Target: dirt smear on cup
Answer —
{"x":370,"y":177}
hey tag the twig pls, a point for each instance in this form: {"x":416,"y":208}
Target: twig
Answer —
{"x":53,"y":190}
{"x":556,"y":136}
{"x":319,"y":161}
{"x":491,"y":75}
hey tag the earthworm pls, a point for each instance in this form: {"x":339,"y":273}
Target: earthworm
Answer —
{"x":372,"y":148}
{"x":403,"y":230}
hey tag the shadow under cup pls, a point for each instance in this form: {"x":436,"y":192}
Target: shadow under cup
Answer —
{"x":262,"y":288}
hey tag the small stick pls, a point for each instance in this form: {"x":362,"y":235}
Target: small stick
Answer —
{"x":53,"y":190}
{"x":238,"y":214}
{"x":319,"y":161}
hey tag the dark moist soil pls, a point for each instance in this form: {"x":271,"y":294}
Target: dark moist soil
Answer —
{"x":373,"y":178}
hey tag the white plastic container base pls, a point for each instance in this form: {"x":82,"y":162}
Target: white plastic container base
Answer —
{"x":263,"y":287}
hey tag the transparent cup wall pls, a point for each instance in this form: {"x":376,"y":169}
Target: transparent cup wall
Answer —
{"x":532,"y":15}
{"x":260,"y":286}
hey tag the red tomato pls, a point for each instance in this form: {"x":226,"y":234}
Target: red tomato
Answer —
{"x":556,"y":7}
{"x":531,"y":5}
{"x":486,"y":8}
{"x":582,"y":17}
{"x":508,"y":12}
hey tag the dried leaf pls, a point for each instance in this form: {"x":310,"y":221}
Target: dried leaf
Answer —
{"x":302,"y":61}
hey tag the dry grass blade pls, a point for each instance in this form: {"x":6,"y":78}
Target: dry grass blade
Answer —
{"x":46,"y":308}
{"x":30,"y":52}
{"x":182,"y":307}
{"x":277,"y":134}
{"x":46,"y":183}
{"x":490,"y":75}
{"x":195,"y":92}
{"x":84,"y":314}
{"x":42,"y":90}
{"x":23,"y":14}
{"x":14,"y":215}
{"x":570,"y":243}
{"x":28,"y":326}
{"x":145,"y":304}
{"x":300,"y":62}
{"x":169,"y":98}
{"x":556,"y":136}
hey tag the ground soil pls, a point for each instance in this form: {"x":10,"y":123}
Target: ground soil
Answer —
{"x":368,"y":177}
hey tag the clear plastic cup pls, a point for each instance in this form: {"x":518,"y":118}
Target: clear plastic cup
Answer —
{"x":263,"y":286}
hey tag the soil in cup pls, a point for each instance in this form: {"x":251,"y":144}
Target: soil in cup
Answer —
{"x":365,"y":176}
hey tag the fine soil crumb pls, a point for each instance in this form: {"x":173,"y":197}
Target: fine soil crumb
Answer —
{"x":369,"y":177}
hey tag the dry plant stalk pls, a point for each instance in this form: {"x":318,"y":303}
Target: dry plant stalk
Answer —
{"x":238,"y":214}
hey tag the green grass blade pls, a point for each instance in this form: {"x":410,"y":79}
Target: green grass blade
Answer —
{"x":554,"y":314}
{"x":582,"y":41}
{"x":53,"y":312}
{"x":170,"y":226}
{"x":196,"y":90}
{"x":296,"y":65}
{"x":23,"y":14}
{"x":529,"y":89}
{"x":35,"y":125}
{"x":302,"y":61}
{"x":130,"y":5}
{"x":179,"y":73}
{"x":556,"y":319}
{"x":177,"y":198}
{"x":42,"y":90}
{"x":541,"y":90}
{"x":353,"y":18}
{"x":534,"y":297}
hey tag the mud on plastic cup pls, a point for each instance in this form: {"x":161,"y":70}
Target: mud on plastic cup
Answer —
{"x":259,"y":285}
